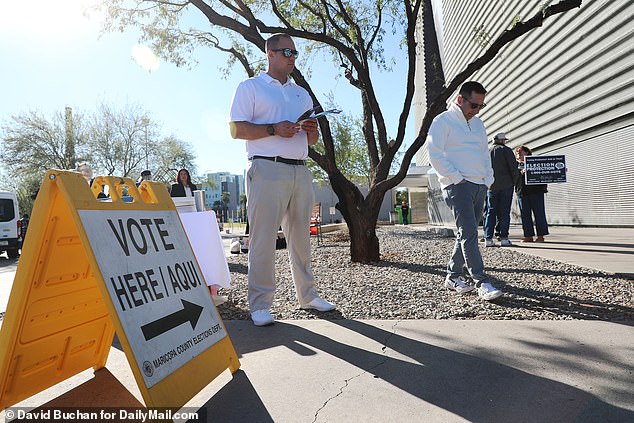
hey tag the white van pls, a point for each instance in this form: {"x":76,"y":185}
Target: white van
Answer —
{"x":10,"y":240}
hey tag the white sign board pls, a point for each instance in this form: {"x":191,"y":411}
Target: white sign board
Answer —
{"x":156,"y":286}
{"x":545,"y":169}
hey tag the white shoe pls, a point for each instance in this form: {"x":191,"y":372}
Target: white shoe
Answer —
{"x":488,"y":292}
{"x":506,"y":242}
{"x":318,"y":304}
{"x":458,"y":284}
{"x":262,"y":318}
{"x":489,"y":243}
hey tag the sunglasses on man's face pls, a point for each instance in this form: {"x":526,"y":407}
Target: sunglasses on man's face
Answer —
{"x":287,"y":52}
{"x":474,"y":105}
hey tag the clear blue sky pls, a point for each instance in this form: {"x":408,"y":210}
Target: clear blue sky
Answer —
{"x":53,"y":56}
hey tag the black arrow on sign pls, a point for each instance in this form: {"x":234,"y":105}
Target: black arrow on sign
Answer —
{"x":190,"y":312}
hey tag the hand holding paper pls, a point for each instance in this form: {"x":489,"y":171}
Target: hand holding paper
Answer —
{"x":308,"y":125}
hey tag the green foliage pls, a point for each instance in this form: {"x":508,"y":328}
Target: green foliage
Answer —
{"x":350,"y":34}
{"x":350,"y":150}
{"x":172,"y":155}
{"x":225,"y":198}
{"x":481,"y":35}
{"x":32,"y":144}
{"x":360,"y":25}
{"x":401,"y":195}
{"x":122,"y":141}
{"x":516,"y":19}
{"x":112,"y":142}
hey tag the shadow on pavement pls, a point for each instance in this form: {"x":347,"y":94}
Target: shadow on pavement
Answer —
{"x":475,"y":388}
{"x":104,"y":391}
{"x":581,"y":250}
{"x":237,"y":401}
{"x":518,"y":297}
{"x":6,"y":262}
{"x":626,"y":247}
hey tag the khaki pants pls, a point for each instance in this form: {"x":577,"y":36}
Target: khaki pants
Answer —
{"x":278,"y":194}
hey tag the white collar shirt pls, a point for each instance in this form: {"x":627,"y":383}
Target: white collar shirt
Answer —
{"x":458,"y":148}
{"x":263,"y":100}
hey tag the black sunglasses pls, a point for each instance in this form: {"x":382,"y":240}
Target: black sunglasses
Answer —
{"x":474,"y":105}
{"x":287,"y":52}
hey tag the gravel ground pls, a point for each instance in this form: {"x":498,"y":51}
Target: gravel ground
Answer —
{"x":408,"y":284}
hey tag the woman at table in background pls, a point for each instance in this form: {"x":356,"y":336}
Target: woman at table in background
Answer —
{"x":183,"y":186}
{"x":531,"y":201}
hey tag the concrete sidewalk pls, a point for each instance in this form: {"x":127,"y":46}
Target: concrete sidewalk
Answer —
{"x":438,"y":371}
{"x":610,"y":250}
{"x":405,"y":371}
{"x":415,"y":370}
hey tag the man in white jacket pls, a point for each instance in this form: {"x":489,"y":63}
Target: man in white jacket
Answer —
{"x":458,"y":152}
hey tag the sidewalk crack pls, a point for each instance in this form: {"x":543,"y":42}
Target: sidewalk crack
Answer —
{"x":370,"y":370}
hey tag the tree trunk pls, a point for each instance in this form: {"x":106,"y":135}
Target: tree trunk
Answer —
{"x":364,"y":244}
{"x":360,"y":215}
{"x":434,"y":74}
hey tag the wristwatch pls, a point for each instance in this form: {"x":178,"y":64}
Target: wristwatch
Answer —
{"x":270,"y":129}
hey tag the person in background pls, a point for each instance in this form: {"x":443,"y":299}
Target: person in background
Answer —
{"x":184,"y":186}
{"x":87,"y":173}
{"x":500,"y":194}
{"x":24,"y":224}
{"x":265,"y":113}
{"x":405,"y":212}
{"x":458,"y":152}
{"x":146,"y":175}
{"x":531,"y":201}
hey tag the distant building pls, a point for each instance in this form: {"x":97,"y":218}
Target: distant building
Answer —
{"x":564,"y":88}
{"x":214,"y":184}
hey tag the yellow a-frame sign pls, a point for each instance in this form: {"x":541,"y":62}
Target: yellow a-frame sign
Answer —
{"x":90,"y":267}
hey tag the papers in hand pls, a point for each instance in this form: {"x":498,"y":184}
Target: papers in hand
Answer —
{"x":309,"y":115}
{"x":326,"y":112}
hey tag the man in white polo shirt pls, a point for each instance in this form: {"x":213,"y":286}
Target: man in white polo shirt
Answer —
{"x":265,"y":112}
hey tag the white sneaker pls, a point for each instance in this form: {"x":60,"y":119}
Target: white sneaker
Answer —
{"x":489,"y":243}
{"x":318,"y":304}
{"x":262,"y":318}
{"x":488,"y":292}
{"x":458,"y":284}
{"x":506,"y":242}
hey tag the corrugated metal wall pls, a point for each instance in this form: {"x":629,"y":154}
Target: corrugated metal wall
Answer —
{"x":601,"y":171}
{"x":566,"y":88}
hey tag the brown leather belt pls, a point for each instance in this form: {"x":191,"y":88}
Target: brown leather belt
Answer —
{"x":281,"y":160}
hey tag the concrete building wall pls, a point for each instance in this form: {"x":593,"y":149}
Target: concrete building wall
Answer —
{"x":565,"y":88}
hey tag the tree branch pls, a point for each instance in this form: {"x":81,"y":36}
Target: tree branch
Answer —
{"x":439,"y":103}
{"x":334,"y":23}
{"x":279,"y":15}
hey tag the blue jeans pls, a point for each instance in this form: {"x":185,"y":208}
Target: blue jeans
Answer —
{"x":499,"y":207}
{"x":466,"y":201}
{"x":533,"y":204}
